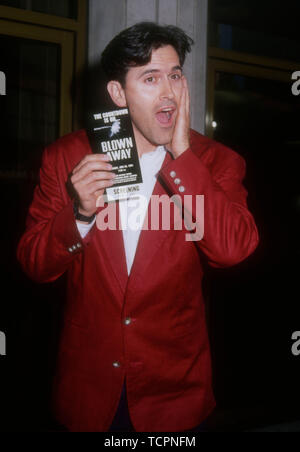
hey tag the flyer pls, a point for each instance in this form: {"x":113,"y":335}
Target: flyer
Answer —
{"x":111,"y":133}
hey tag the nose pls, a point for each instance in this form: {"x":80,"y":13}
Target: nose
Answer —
{"x":166,"y":89}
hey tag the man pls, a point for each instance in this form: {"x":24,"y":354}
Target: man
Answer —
{"x":134,"y":343}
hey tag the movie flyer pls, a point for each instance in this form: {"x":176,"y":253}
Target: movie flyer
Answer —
{"x":111,"y":133}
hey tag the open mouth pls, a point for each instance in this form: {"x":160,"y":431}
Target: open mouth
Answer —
{"x":165,"y":116}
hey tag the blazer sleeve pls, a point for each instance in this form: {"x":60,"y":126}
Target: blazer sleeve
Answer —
{"x":51,"y":241}
{"x":229,"y":234}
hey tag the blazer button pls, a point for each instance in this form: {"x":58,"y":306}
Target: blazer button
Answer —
{"x":127,"y":321}
{"x":172,"y":174}
{"x":70,"y":250}
{"x":177,"y":181}
{"x":181,"y":189}
{"x":116,"y":364}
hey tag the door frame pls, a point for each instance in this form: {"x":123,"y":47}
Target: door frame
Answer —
{"x":74,"y":29}
{"x":65,"y":40}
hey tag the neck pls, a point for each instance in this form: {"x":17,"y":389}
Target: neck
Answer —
{"x":145,"y":152}
{"x":144,"y":149}
{"x":143,"y":145}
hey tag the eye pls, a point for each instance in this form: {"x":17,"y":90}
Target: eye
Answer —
{"x":175,"y":76}
{"x":150,"y":79}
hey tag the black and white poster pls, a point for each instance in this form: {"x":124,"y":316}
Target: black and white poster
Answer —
{"x":112,"y":134}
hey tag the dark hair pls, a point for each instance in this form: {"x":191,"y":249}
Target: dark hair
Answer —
{"x":134,"y":46}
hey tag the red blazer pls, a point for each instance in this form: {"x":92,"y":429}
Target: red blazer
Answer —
{"x":164,"y":352}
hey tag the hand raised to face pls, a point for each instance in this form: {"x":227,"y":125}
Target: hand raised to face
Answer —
{"x":181,"y":136}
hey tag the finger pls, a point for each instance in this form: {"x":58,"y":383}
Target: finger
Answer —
{"x":96,"y":176}
{"x":183,"y":93}
{"x":94,"y":187}
{"x":187,"y":100}
{"x":182,"y":107}
{"x":187,"y":96}
{"x":186,"y":86}
{"x":88,"y":168}
{"x":91,"y":158}
{"x":95,"y":158}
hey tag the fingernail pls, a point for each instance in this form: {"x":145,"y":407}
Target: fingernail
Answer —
{"x":106,"y":157}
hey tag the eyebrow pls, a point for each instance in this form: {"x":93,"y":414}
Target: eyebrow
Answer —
{"x":155,"y":71}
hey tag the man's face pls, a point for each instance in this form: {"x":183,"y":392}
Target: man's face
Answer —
{"x":152,"y":94}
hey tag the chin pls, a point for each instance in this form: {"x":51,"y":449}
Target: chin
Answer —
{"x":162,"y":143}
{"x":164,"y":138}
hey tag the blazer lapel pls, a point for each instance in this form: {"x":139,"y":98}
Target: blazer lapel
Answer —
{"x":149,"y":243}
{"x":112,"y":245}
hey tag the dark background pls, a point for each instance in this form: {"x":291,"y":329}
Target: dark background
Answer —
{"x":253,"y":308}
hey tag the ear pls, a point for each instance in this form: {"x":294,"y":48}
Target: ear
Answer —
{"x":117,"y":93}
